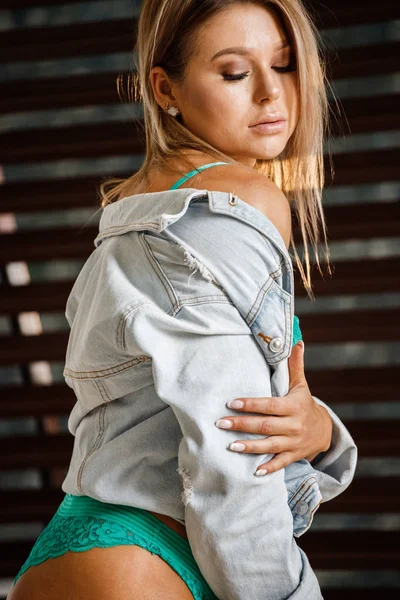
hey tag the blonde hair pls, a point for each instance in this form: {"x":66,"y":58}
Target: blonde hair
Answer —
{"x":166,"y":37}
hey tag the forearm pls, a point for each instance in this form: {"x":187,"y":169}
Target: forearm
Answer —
{"x":326,"y":434}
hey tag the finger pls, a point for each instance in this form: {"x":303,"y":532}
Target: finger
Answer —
{"x":264,"y":405}
{"x":280,"y":461}
{"x":263,"y":425}
{"x":296,"y":366}
{"x":271,"y":445}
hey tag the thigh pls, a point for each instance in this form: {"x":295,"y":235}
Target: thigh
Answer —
{"x":116,"y":573}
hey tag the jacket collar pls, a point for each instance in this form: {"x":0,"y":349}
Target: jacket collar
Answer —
{"x":157,"y":210}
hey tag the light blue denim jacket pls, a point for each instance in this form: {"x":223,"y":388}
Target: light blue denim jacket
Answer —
{"x":187,"y":302}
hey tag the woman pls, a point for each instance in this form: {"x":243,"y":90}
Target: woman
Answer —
{"x":155,"y":355}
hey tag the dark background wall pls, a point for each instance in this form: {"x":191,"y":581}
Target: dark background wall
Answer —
{"x":62,"y":127}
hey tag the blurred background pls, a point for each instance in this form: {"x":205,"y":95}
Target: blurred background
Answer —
{"x":63,"y":128}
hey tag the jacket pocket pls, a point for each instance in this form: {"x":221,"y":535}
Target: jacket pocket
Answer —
{"x":183,"y":276}
{"x":272,"y":328}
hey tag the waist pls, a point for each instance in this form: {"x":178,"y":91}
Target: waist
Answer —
{"x":73,"y":505}
{"x":170,"y":522}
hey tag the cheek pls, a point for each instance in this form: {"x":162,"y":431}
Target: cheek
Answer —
{"x":206,"y":104}
{"x":212,"y":115}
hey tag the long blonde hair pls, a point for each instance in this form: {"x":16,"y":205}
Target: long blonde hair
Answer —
{"x":166,"y":37}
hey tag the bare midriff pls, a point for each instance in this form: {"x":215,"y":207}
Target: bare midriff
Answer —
{"x":170,"y":522}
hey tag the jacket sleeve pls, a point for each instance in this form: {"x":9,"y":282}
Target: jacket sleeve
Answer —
{"x":335,"y":468}
{"x":239,"y":526}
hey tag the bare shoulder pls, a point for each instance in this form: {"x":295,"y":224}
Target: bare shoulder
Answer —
{"x":260,"y":192}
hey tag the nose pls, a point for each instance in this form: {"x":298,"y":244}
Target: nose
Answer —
{"x":269,"y":88}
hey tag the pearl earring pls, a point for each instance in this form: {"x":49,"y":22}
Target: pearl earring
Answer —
{"x":171,"y":110}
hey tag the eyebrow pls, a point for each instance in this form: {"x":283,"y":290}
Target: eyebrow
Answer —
{"x":244,"y":50}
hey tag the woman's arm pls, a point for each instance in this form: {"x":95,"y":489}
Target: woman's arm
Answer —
{"x":239,"y":526}
{"x":304,"y":420}
{"x":296,"y":425}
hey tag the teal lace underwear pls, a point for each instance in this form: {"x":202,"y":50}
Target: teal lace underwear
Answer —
{"x":82,"y":523}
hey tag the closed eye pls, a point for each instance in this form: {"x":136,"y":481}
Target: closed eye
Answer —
{"x":239,"y":76}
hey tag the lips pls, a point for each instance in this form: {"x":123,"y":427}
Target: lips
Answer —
{"x":270,"y":119}
{"x":270,"y":128}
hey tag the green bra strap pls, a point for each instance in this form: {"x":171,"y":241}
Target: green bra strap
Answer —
{"x":194,"y":172}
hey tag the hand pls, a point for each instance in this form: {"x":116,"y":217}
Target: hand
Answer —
{"x":299,"y":427}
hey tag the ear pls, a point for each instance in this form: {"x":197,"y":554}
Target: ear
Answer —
{"x":161,"y":86}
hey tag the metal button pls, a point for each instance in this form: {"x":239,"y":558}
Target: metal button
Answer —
{"x":276,"y":344}
{"x":232,"y":199}
{"x":301,"y":508}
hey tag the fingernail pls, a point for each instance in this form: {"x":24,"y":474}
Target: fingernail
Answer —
{"x":224,"y":423}
{"x":260,"y":472}
{"x":237,"y":447}
{"x":235,"y":404}
{"x":301,"y":343}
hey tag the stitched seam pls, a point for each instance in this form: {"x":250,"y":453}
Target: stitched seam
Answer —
{"x":178,"y":302}
{"x":312,"y":512}
{"x":183,"y":246}
{"x":274,"y":275}
{"x":280,"y":260}
{"x":259,"y":299}
{"x":95,"y":446}
{"x":301,"y":487}
{"x":272,"y":279}
{"x":159,"y":271}
{"x":102,"y":390}
{"x":277,"y":273}
{"x":219,"y":299}
{"x":281,"y":292}
{"x":298,"y":490}
{"x":136,"y":226}
{"x":106,"y":372}
{"x":305,"y":492}
{"x":121,"y":325}
{"x":193,"y":300}
{"x":130,"y":226}
{"x":284,"y":349}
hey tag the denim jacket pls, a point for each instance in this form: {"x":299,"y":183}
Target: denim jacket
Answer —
{"x":187,"y":302}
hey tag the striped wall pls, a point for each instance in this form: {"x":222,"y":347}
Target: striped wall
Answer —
{"x":62,"y":128}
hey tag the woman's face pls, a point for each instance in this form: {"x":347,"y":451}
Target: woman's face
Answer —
{"x":222,"y":110}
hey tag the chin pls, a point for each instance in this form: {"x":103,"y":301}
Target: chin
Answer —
{"x":273,"y":150}
{"x":270,"y":155}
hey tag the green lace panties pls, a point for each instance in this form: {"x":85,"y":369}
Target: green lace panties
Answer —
{"x":82,"y":523}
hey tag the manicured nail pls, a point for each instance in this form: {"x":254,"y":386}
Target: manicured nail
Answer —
{"x":260,"y":472}
{"x":237,"y":447}
{"x":224,"y":423}
{"x":235,"y":404}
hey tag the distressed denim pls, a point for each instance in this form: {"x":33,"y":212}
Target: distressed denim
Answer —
{"x":187,"y":302}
